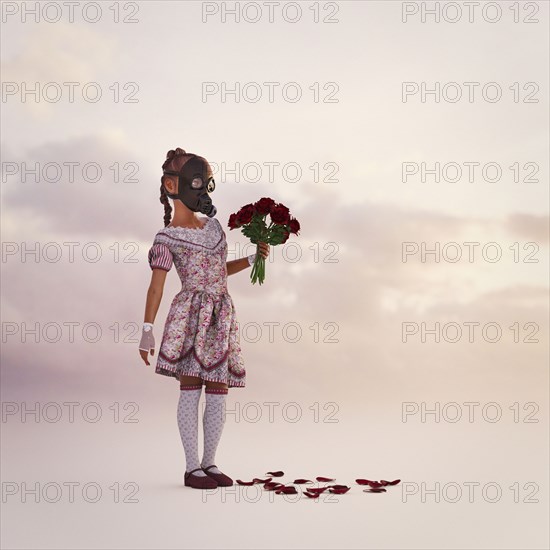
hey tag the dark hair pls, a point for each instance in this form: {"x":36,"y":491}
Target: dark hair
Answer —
{"x":175,"y":159}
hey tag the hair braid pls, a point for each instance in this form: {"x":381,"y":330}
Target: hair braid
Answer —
{"x":167,"y":165}
{"x":167,"y":207}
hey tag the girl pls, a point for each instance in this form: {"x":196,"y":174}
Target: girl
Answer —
{"x":200,"y":342}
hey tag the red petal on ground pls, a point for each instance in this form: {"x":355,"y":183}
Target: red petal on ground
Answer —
{"x":394,"y":482}
{"x":302,"y":481}
{"x":380,"y":490}
{"x":276,"y":474}
{"x":338,"y":486}
{"x":363,"y":481}
{"x":245,"y":482}
{"x":375,"y":484}
{"x":311,"y":495}
{"x":321,"y":478}
{"x":258,"y":480}
{"x":287,"y":491}
{"x":317,"y":489}
{"x":272,"y":485}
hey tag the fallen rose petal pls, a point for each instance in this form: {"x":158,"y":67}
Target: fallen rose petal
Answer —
{"x":287,"y":491}
{"x":380,"y":490}
{"x":317,"y":491}
{"x":338,"y":486}
{"x":394,"y":482}
{"x":321,"y":478}
{"x":311,"y":495}
{"x":302,"y":481}
{"x":258,"y":480}
{"x":272,"y":485}
{"x":363,"y":481}
{"x":245,"y":482}
{"x":276,"y":474}
{"x":375,"y":484}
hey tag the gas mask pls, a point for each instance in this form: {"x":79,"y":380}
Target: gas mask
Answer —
{"x":194,"y":184}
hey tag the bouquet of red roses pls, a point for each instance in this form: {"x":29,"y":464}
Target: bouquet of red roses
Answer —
{"x":251,"y":218}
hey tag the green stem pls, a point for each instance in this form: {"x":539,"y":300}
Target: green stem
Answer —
{"x":261,"y":270}
{"x":258,"y":267}
{"x":253,"y":273}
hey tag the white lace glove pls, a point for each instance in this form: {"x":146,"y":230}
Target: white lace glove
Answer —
{"x":251,"y":259}
{"x":147,"y":342}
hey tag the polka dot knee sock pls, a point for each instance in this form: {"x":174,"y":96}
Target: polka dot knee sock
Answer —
{"x":213,"y":422}
{"x":188,"y":423}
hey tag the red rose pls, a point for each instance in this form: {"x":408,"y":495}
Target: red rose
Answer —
{"x":264,"y":205}
{"x":294,"y":225}
{"x":233,"y":224}
{"x":244,"y":215}
{"x":280,"y":214}
{"x":285,"y":237}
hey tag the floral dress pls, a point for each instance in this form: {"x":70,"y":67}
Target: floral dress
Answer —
{"x":200,"y":335}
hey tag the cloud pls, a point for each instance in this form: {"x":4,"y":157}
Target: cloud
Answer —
{"x":530,"y":227}
{"x":81,"y":206}
{"x":58,"y":53}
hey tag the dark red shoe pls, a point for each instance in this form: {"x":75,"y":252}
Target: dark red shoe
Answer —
{"x":221,"y":479}
{"x":198,"y":482}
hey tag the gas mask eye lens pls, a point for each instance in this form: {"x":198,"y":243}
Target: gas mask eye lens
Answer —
{"x":211,"y":185}
{"x":197,"y":183}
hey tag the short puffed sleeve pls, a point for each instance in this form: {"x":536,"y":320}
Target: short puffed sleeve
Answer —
{"x":160,"y":257}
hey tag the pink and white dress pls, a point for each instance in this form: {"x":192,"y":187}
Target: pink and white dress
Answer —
{"x":200,"y":335}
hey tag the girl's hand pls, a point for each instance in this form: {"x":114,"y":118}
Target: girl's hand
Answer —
{"x":146,"y":345}
{"x":264,"y":249}
{"x":145,"y":355}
